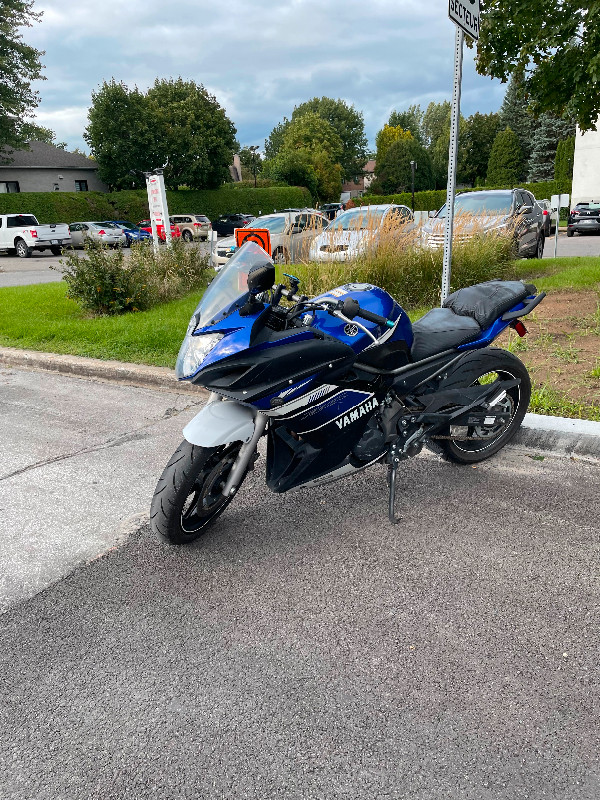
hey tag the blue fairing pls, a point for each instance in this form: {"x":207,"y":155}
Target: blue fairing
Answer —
{"x":495,"y":329}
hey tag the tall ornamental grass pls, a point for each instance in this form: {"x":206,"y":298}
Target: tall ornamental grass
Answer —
{"x":397,"y":259}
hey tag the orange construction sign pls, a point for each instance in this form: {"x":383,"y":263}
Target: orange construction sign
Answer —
{"x":261,"y":236}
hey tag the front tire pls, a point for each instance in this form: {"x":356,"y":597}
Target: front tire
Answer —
{"x":280,"y":256}
{"x":493,"y":364}
{"x":188,"y":495}
{"x":539,"y":250}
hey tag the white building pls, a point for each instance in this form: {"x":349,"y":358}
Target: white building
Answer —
{"x":586,"y":167}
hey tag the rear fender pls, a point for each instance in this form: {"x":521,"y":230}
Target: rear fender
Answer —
{"x":220,"y":423}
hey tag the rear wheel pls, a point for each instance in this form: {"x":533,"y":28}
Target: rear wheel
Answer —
{"x":56,"y":251}
{"x":188,"y":494}
{"x":22,"y":249}
{"x":570,"y":233}
{"x":481,"y":442}
{"x":187,"y":236}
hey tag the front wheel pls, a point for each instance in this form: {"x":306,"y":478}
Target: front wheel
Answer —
{"x":539,"y":250}
{"x":188,"y":495}
{"x":280,"y":256}
{"x":478,"y":442}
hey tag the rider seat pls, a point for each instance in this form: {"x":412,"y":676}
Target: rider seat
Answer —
{"x":465,"y":314}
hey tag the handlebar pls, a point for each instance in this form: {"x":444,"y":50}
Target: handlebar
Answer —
{"x":350,"y":308}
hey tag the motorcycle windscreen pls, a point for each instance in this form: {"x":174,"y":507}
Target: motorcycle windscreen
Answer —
{"x":230,"y":286}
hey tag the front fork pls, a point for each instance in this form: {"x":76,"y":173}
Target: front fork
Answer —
{"x":240,"y":465}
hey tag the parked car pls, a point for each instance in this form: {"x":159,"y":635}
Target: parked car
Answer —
{"x":21,"y":234}
{"x":331,"y":209}
{"x":132,"y":232}
{"x":291,"y":235}
{"x":492,"y":211}
{"x":106,"y":233}
{"x":550,"y":216}
{"x":584,"y":218}
{"x":227,"y":223}
{"x":355,"y":230}
{"x":192,"y":226}
{"x":146,"y":225}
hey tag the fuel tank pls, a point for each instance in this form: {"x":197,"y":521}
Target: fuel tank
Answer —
{"x":373,"y":299}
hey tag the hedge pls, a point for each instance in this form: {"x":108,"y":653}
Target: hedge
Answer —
{"x":434,"y":199}
{"x":133,"y":205}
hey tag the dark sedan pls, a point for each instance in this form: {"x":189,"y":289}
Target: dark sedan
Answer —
{"x":584,"y":218}
{"x":227,"y":223}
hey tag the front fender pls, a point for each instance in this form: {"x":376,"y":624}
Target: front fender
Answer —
{"x":219,"y":423}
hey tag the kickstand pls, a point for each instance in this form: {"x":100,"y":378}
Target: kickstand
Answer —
{"x":392,"y":471}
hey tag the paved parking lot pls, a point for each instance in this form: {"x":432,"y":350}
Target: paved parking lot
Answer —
{"x":304,"y":648}
{"x":578,"y":245}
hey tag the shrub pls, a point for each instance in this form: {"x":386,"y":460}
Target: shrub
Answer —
{"x":133,"y":204}
{"x":104,"y":281}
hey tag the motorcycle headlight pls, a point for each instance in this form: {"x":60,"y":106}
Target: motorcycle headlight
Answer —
{"x":193,"y":351}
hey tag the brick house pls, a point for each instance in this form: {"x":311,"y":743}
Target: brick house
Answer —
{"x":45,"y":168}
{"x":360,"y":184}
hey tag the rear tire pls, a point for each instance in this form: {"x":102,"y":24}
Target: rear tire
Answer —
{"x":22,"y":249}
{"x":570,"y":233}
{"x":505,"y":366}
{"x":56,"y":251}
{"x":187,"y":497}
{"x":187,"y":236}
{"x":539,"y":249}
{"x":280,"y":256}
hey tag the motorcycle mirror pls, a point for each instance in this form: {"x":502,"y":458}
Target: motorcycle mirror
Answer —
{"x":261,"y":278}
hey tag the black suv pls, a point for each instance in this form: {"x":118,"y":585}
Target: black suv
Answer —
{"x":584,"y":218}
{"x":227,"y":223}
{"x":497,"y":208}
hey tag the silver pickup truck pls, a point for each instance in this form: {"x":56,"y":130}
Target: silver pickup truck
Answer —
{"x":21,"y":234}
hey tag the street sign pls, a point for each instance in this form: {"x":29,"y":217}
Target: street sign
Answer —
{"x":465,"y":14}
{"x":558,"y":201}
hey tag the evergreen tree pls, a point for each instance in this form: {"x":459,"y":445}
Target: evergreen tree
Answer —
{"x":505,"y":166}
{"x":19,"y":66}
{"x":514,"y":115}
{"x":549,"y":131}
{"x":565,"y":156}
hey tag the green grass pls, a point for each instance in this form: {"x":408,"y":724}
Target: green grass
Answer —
{"x":554,"y":274}
{"x":40,"y":317}
{"x":555,"y":404}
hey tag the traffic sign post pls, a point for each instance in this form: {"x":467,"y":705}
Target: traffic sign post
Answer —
{"x":465,"y":15}
{"x":558,"y":201}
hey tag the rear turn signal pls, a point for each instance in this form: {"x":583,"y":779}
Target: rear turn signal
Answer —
{"x":519,"y":327}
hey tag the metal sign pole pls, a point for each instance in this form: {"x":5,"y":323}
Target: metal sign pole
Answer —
{"x":556,"y":231}
{"x":452,"y":158}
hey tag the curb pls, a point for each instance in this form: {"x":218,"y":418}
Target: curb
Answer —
{"x":139,"y":375}
{"x":572,"y":438}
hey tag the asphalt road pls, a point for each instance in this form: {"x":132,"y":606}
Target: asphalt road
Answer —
{"x":578,"y":245}
{"x":304,"y":648}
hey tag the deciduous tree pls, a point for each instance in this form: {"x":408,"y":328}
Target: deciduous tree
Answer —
{"x":394,"y":172}
{"x":410,"y":120}
{"x":554,"y":45}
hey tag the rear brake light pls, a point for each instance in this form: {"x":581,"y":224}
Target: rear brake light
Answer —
{"x":519,"y":327}
{"x":33,"y":233}
{"x":545,"y":212}
{"x":101,"y":233}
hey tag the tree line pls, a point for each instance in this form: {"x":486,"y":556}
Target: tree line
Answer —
{"x":179,"y":126}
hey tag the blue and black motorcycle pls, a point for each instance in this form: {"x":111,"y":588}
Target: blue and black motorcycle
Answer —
{"x":336,"y":383}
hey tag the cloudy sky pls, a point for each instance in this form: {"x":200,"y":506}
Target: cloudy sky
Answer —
{"x":259,"y":59}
